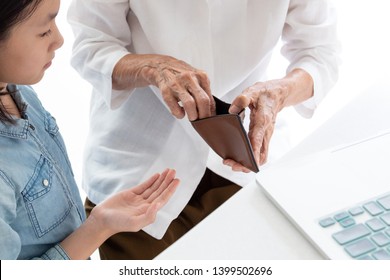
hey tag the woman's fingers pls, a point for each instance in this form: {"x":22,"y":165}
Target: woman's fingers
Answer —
{"x":141,"y":188}
{"x":166,"y":189}
{"x":147,"y":212}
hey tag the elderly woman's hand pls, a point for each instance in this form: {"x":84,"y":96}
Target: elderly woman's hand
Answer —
{"x":185,"y":90}
{"x":265,"y":100}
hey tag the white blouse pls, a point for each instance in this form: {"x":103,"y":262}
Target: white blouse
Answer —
{"x":132,"y":133}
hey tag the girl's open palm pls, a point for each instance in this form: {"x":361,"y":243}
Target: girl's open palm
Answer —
{"x":135,"y":208}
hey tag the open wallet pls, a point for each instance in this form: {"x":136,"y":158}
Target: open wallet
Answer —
{"x":226,"y":135}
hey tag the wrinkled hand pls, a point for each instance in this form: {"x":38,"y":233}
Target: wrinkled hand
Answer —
{"x":180,"y":82}
{"x":135,"y":208}
{"x":265,"y":100}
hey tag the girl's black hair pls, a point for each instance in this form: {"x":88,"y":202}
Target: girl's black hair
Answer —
{"x":12,"y":12}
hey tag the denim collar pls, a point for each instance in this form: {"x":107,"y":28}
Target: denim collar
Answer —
{"x":19,"y":129}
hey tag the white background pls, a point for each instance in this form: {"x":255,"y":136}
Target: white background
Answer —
{"x":363,"y":28}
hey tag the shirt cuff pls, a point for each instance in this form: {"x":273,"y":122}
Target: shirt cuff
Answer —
{"x":55,"y":253}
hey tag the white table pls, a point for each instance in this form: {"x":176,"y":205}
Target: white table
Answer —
{"x":249,"y":225}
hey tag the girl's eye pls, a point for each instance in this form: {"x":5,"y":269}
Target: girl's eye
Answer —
{"x":47,"y":33}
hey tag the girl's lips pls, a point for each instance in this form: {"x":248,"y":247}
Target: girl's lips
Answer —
{"x":47,"y":65}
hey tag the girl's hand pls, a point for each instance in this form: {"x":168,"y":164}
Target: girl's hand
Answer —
{"x":135,"y":208}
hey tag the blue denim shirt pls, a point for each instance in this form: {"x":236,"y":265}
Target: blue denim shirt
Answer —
{"x":40,"y":203}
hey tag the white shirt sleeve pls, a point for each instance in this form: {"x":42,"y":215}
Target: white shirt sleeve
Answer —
{"x":101,"y":36}
{"x":311,"y":43}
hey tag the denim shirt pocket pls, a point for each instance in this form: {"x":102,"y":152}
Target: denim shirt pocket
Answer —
{"x":46,"y":199}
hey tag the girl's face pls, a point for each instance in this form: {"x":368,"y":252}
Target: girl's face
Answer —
{"x":30,"y":47}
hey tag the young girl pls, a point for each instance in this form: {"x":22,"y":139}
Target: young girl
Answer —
{"x":41,"y":213}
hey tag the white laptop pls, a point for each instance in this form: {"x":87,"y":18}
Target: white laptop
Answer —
{"x":339,"y":197}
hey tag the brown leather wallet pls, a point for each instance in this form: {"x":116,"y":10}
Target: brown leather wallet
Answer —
{"x":226,"y":135}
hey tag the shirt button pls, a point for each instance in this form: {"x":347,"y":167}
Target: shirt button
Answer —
{"x":45,"y":182}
